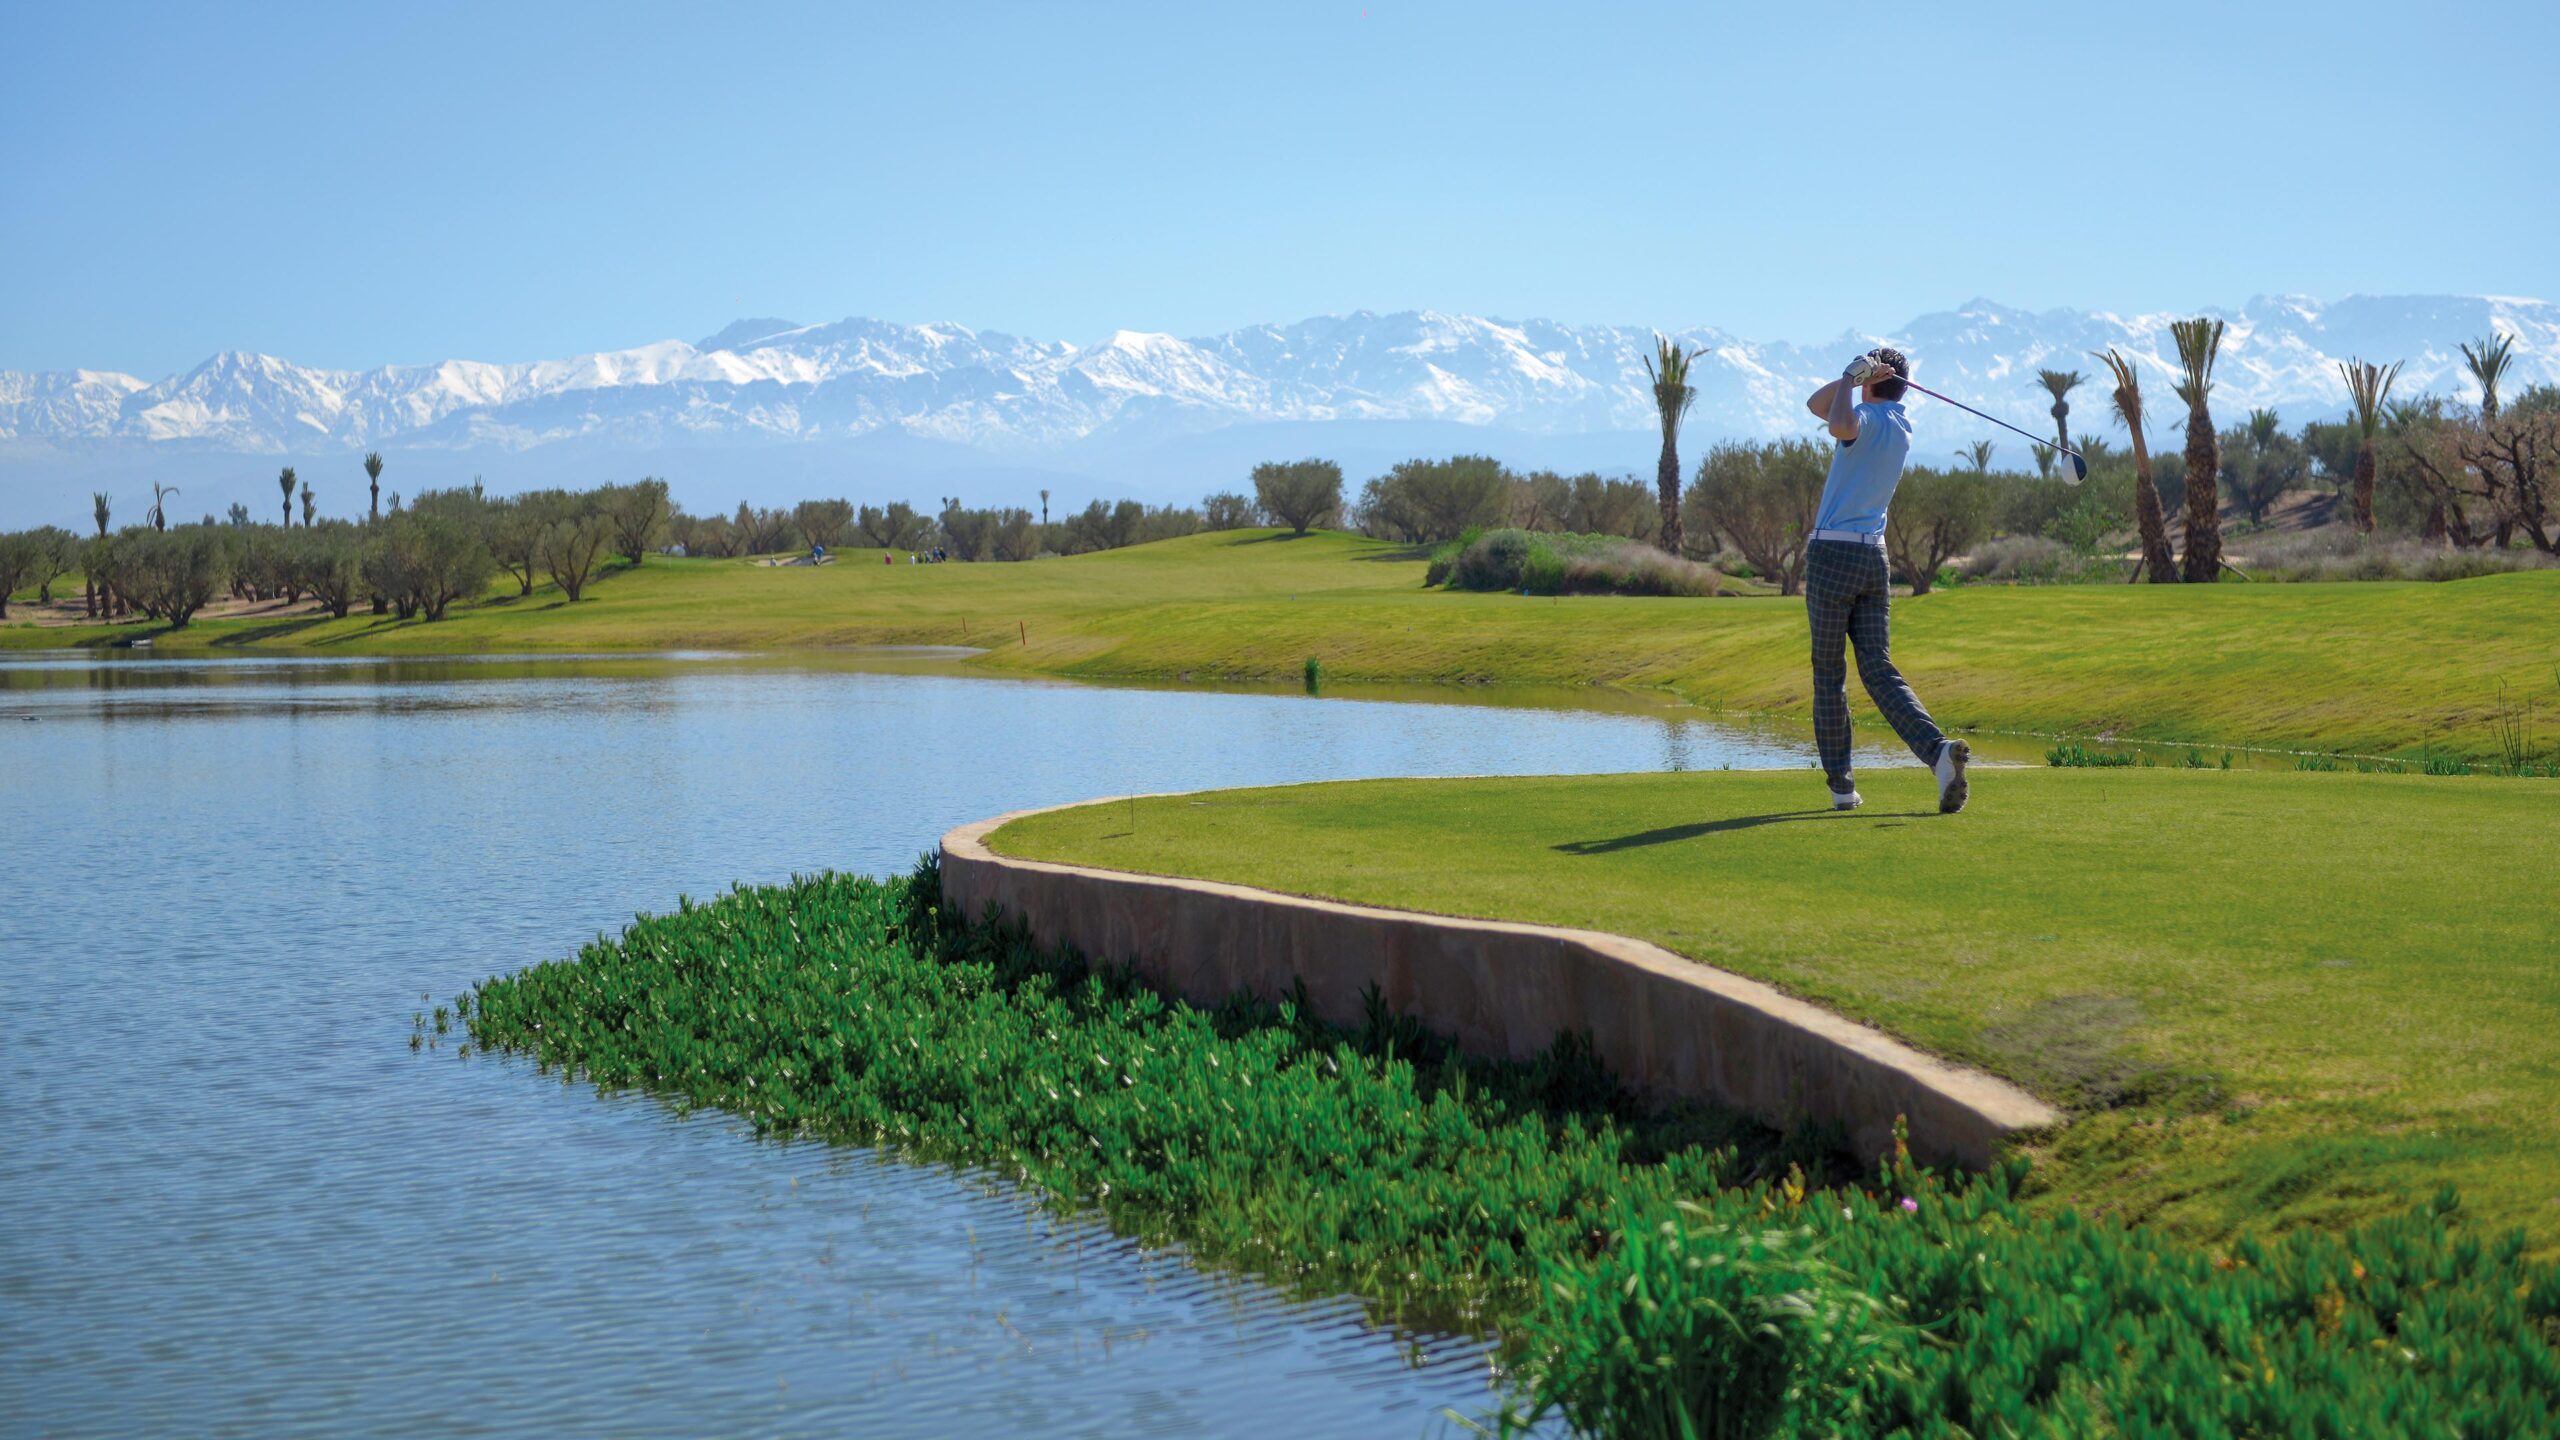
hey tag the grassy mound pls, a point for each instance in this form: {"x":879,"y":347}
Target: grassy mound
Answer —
{"x":1542,"y":562}
{"x":2362,"y":669}
{"x":2272,"y":999}
{"x":1653,"y":1275}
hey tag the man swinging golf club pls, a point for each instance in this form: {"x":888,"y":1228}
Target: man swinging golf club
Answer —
{"x":1844,"y":578}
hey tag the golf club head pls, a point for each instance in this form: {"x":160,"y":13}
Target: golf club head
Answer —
{"x":2079,"y":468}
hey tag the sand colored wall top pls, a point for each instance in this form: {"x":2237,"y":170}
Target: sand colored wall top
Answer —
{"x":1667,"y":1026}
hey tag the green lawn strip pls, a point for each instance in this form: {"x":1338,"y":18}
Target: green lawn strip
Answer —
{"x":2273,"y":999}
{"x":1651,"y":1274}
{"x":2380,"y":667}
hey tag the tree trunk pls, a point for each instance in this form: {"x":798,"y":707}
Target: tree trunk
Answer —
{"x":2204,"y":499}
{"x":1666,"y":478}
{"x":2364,"y":487}
{"x":2437,"y":529}
{"x":380,"y":605}
{"x":2062,"y":424}
{"x":89,"y":598}
{"x":2159,"y":563}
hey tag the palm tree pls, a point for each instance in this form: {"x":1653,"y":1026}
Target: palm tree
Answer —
{"x":2369,"y":388}
{"x":373,"y":476}
{"x":160,"y":494}
{"x":2159,"y":565}
{"x":306,"y":504}
{"x":1672,"y":397}
{"x":2199,"y":344}
{"x":2045,"y":455}
{"x":286,"y":482}
{"x":2488,"y":365}
{"x":98,"y":510}
{"x":2060,"y":383}
{"x":1977,"y":455}
{"x":1044,"y":509}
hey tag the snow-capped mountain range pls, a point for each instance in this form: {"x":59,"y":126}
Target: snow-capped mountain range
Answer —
{"x":1138,"y":411}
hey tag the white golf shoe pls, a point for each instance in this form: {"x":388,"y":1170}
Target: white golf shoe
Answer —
{"x":1846,"y":799}
{"x":1952,"y":788}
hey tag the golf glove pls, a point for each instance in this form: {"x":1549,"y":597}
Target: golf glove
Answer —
{"x":1859,"y":369}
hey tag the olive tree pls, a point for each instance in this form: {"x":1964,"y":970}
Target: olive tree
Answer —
{"x":895,"y":527}
{"x":328,"y":561}
{"x":1228,"y":510}
{"x":1763,"y":497}
{"x":171,"y":574}
{"x":1935,"y":516}
{"x":572,"y":546}
{"x":824,"y":522}
{"x":18,"y":561}
{"x":638,"y":514}
{"x":1300,"y":494}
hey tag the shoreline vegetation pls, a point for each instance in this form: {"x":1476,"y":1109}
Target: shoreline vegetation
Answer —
{"x":1648,"y":1274}
{"x":2464,"y":668}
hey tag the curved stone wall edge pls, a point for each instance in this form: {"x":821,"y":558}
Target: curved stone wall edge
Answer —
{"x":1668,"y":1026}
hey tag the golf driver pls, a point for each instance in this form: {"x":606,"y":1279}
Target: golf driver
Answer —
{"x":2079,"y":466}
{"x":1864,"y":368}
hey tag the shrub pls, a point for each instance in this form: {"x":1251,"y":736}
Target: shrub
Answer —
{"x":1547,"y":563}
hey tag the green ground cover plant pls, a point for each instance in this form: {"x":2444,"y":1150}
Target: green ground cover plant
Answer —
{"x":2271,"y":1000}
{"x":1652,"y":1274}
{"x":2369,"y":669}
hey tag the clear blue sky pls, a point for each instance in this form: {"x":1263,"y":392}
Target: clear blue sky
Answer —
{"x":358,"y":184}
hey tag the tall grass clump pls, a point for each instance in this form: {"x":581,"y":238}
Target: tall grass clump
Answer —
{"x":2340,"y":552}
{"x":2034,"y":560}
{"x":1542,"y":562}
{"x":1671,"y":1273}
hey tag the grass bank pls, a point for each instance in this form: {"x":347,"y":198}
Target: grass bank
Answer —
{"x":1652,"y":1275}
{"x":2367,"y":668}
{"x":2272,"y":1000}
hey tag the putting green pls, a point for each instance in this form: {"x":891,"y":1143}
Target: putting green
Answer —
{"x":2269,"y":999}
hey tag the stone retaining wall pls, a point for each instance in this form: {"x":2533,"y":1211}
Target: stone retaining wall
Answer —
{"x":1667,"y":1026}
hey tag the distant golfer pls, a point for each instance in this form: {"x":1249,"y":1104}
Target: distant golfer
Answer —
{"x":1844,"y":578}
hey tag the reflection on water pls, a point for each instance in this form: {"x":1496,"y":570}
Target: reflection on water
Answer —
{"x":237,"y":1204}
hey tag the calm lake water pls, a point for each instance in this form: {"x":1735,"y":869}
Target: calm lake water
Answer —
{"x":234,"y":1202}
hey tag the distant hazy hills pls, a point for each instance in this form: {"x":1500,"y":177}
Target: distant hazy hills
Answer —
{"x":767,"y":409}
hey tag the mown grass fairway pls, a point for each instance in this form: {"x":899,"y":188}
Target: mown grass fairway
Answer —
{"x":2367,"y":668}
{"x":2272,"y":999}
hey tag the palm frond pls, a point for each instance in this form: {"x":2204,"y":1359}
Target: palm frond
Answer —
{"x":2060,"y":382}
{"x":1669,"y":368}
{"x":2369,"y":388}
{"x":2199,"y":343}
{"x":2128,"y":396}
{"x":2128,"y":389}
{"x":2488,"y":364}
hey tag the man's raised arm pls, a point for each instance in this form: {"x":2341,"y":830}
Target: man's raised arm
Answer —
{"x":1837,"y":404}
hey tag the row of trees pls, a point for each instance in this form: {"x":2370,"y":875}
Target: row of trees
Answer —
{"x":414,"y":561}
{"x":2468,"y":476}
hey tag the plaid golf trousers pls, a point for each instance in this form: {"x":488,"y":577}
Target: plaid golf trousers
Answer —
{"x":1846,"y":598}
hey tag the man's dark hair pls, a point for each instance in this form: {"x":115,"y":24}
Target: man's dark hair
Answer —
{"x":1895,"y":361}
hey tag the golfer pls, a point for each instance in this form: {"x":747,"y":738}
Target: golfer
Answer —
{"x":1844,"y":578}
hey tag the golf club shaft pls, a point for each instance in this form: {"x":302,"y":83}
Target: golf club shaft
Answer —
{"x":1996,"y":420}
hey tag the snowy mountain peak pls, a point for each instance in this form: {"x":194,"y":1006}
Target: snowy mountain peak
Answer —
{"x":765,"y":380}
